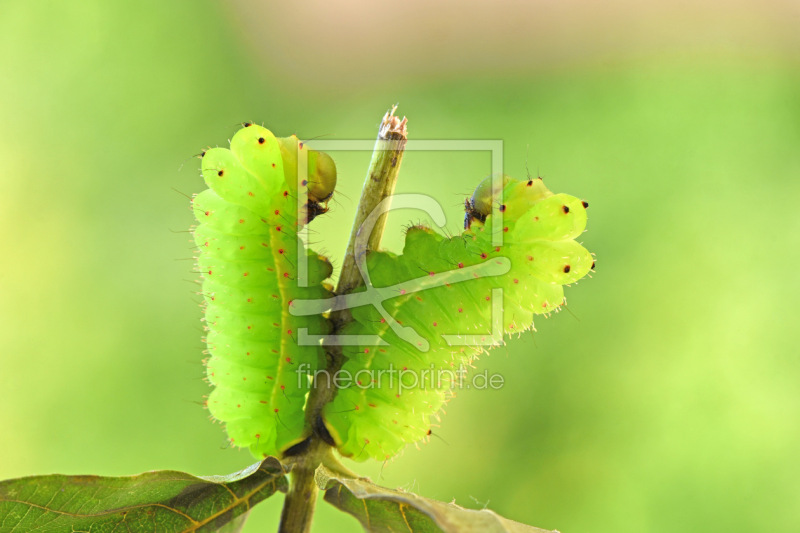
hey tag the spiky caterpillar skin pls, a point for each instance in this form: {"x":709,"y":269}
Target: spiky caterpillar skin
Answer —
{"x":248,"y":245}
{"x":539,"y":229}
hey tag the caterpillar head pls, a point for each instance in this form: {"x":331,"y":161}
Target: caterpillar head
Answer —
{"x":482,"y":200}
{"x":320,"y":181}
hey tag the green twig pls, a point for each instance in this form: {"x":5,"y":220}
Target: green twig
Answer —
{"x":298,"y":508}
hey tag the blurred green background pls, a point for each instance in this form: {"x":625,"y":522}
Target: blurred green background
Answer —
{"x":667,"y":399}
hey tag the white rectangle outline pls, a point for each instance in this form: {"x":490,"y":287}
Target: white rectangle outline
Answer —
{"x":495,"y":146}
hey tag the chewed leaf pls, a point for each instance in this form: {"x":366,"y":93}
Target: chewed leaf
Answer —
{"x":382,"y":510}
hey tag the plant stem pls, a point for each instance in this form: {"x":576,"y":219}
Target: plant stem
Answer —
{"x":298,"y":508}
{"x":378,"y":185}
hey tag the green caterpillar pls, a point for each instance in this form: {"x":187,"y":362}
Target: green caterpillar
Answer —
{"x":538,"y":229}
{"x":247,"y":237}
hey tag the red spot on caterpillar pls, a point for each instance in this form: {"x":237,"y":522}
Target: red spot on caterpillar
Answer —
{"x":244,"y":379}
{"x":566,"y":269}
{"x":207,"y":213}
{"x":241,"y":221}
{"x":285,"y":194}
{"x":241,"y":247}
{"x":592,"y":265}
{"x":289,"y":359}
{"x":565,"y":208}
{"x":530,"y":258}
{"x":366,"y":350}
{"x":280,"y":250}
{"x":278,"y":228}
{"x":516,"y":280}
{"x":402,"y":291}
{"x":277,"y":212}
{"x":381,"y":350}
{"x":238,"y":405}
{"x":372,"y":405}
{"x":248,"y":353}
{"x":273,"y":165}
{"x":258,"y":435}
{"x":357,"y":407}
{"x":394,"y":421}
{"x":383,"y":321}
{"x":206,"y":244}
{"x":276,"y":409}
{"x":209,"y":272}
{"x":300,"y":145}
{"x":246,"y":125}
{"x":304,"y":183}
{"x":265,"y":245}
{"x":461,"y":265}
{"x":285,"y":274}
{"x":505,"y":229}
{"x":275,"y":324}
{"x":585,"y":204}
{"x":262,"y":401}
{"x":220,"y":173}
{"x":283,"y":387}
{"x":269,"y":377}
{"x":502,"y":208}
{"x":249,"y":327}
{"x":488,"y":298}
{"x":460,"y":310}
{"x":419,"y":298}
{"x":261,"y":140}
{"x":435,"y":324}
{"x":246,"y":274}
{"x":483,"y":255}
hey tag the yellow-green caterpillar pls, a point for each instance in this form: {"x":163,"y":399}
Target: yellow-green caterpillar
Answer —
{"x":376,"y":416}
{"x":249,"y":252}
